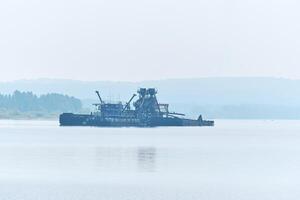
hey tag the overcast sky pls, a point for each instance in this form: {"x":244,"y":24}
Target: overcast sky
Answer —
{"x":154,"y":39}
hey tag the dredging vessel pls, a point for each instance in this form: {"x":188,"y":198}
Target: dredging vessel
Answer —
{"x":147,"y":112}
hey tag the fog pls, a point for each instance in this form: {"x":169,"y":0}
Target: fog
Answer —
{"x":141,"y":40}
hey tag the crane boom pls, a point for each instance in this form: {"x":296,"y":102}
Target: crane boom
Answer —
{"x":128,"y":103}
{"x":98,"y":94}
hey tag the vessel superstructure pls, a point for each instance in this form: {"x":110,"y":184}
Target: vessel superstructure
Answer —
{"x":146,"y":112}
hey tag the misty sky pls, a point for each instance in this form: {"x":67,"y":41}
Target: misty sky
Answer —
{"x":157,"y":39}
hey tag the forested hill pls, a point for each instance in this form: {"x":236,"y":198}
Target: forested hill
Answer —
{"x":28,"y":105}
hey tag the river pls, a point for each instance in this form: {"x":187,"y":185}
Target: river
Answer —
{"x":235,"y":160}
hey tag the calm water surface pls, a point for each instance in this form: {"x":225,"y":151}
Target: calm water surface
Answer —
{"x":235,"y":160}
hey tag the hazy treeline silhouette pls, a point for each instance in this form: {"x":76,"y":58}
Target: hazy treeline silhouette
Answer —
{"x":27,"y":102}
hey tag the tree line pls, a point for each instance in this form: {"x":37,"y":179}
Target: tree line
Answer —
{"x":29,"y":102}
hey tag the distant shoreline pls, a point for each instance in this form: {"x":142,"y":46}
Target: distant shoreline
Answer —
{"x":213,"y":98}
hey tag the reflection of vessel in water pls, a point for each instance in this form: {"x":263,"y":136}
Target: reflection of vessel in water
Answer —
{"x":142,"y":159}
{"x":147,"y":112}
{"x":146,"y":158}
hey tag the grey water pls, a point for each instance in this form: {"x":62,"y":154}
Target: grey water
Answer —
{"x":234,"y":160}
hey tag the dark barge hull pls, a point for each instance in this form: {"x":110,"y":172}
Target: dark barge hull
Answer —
{"x":70,"y":119}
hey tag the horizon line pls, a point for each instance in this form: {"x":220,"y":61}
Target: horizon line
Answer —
{"x":150,"y":80}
